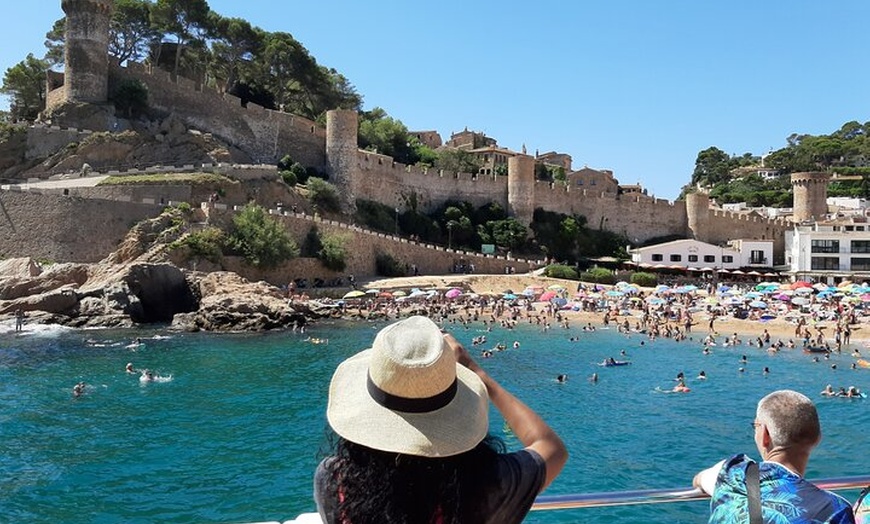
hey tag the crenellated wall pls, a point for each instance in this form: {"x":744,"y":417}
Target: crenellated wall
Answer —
{"x":391,"y":183}
{"x":264,"y":134}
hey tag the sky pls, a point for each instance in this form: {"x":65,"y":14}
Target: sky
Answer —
{"x":638,"y":87}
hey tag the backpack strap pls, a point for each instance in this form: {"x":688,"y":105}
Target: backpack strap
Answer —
{"x":753,"y":493}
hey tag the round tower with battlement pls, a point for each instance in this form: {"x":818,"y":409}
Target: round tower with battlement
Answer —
{"x":86,"y":54}
{"x":698,"y":215}
{"x":521,"y":188}
{"x":810,"y":195}
{"x":342,"y":153}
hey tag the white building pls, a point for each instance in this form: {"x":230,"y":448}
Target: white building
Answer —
{"x":829,"y":251}
{"x":694,"y":254}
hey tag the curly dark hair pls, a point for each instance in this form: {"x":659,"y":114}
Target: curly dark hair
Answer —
{"x":393,"y":488}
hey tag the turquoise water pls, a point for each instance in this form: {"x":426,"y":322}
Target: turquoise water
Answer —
{"x":234,"y":435}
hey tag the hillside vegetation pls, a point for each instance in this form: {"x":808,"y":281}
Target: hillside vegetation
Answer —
{"x":739,"y":179}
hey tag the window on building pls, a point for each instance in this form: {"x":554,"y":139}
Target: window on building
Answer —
{"x":850,"y":228}
{"x":709,"y":258}
{"x":579,"y":182}
{"x":676,"y":258}
{"x":825,"y":246}
{"x":859,"y":228}
{"x":693,"y":258}
{"x":756,"y":256}
{"x":861,"y":246}
{"x":657,"y":258}
{"x":727,"y":259}
{"x":860,"y":264}
{"x":825,"y":263}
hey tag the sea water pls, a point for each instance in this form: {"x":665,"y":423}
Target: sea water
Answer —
{"x":235,"y":429}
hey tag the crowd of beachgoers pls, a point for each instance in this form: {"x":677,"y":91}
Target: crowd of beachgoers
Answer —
{"x":814,"y":318}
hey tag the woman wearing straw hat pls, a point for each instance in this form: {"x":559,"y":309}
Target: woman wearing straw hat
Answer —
{"x":411,"y":418}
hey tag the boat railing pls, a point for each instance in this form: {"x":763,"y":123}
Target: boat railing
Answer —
{"x":629,"y":498}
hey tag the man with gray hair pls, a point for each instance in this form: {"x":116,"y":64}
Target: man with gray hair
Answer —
{"x":786,"y":429}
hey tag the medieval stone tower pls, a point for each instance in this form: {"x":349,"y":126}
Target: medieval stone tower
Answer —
{"x":698,"y":215}
{"x":86,"y":60}
{"x":810,"y":195}
{"x":521,"y":188}
{"x":342,"y":161}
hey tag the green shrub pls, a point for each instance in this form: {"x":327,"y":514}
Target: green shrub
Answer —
{"x":333,"y":252}
{"x":644,"y":279}
{"x":206,"y":244}
{"x":259,"y":238}
{"x":560,"y":271}
{"x":289,"y":178}
{"x":130,"y":97}
{"x":599,"y":275}
{"x":387,"y":266}
{"x":323,"y":195}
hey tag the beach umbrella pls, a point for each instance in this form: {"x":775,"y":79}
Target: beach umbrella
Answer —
{"x":614,"y":293}
{"x":547,"y":296}
{"x":417,"y":293}
{"x":399,"y":293}
{"x":758,"y":304}
{"x":804,"y":291}
{"x":819,"y":286}
{"x":385,"y":294}
{"x":782,"y":296}
{"x":800,"y":301}
{"x":559,"y":302}
{"x":528,"y":292}
{"x":632,"y":289}
{"x":661,"y":288}
{"x":865,"y":297}
{"x":801,"y":284}
{"x":655,"y":301}
{"x":356,"y":293}
{"x":723,"y":287}
{"x":737,"y":272}
{"x":453,"y":293}
{"x":508,"y":291}
{"x":509,"y":296}
{"x":372,"y":291}
{"x":752,"y":294}
{"x":556,"y":287}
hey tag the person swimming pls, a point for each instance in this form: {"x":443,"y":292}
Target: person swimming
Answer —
{"x":702,"y":375}
{"x":829,"y":391}
{"x":79,"y":390}
{"x":594,"y":378}
{"x":766,"y":371}
{"x":129,"y":368}
{"x":562,"y":378}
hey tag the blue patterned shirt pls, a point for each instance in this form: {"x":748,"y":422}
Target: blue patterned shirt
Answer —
{"x":785,"y":497}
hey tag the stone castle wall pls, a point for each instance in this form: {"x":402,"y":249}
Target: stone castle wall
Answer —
{"x":639,"y":218}
{"x":391,"y":183}
{"x":43,"y":141}
{"x":38,"y":225}
{"x":363,"y":246}
{"x":264,"y":134}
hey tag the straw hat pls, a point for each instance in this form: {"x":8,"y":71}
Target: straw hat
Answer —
{"x":408,"y":395}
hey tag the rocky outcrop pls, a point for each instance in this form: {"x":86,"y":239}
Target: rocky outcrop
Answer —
{"x":228,"y":302}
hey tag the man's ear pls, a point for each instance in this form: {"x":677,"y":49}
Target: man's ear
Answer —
{"x":766,"y":441}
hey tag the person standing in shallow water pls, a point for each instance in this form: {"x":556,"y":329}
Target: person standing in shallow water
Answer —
{"x":410,"y":415}
{"x":786,"y":429}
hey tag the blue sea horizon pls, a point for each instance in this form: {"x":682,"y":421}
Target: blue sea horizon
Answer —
{"x":236,"y":432}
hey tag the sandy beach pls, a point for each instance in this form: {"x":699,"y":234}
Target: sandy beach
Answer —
{"x":779,"y":328}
